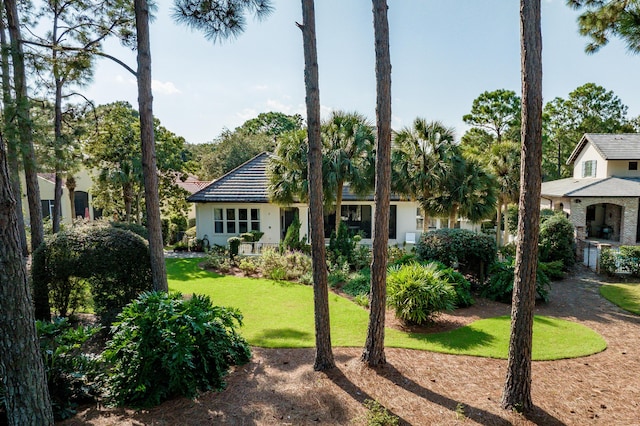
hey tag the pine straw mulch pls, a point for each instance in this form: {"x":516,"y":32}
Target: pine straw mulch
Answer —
{"x":279,"y":386}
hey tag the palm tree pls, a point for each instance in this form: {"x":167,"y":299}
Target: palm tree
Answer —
{"x":287,"y":169}
{"x":422,"y":157}
{"x":504,"y":163}
{"x":348,"y":155}
{"x":324,"y":355}
{"x":517,"y":388}
{"x":373,"y":353}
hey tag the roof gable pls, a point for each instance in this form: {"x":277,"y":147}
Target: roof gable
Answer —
{"x":246,"y":183}
{"x":611,"y":146}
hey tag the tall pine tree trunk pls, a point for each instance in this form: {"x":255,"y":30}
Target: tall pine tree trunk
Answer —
{"x":340,"y":185}
{"x":71,"y":187}
{"x":373,"y":353}
{"x":149,"y":168}
{"x":499,"y":223}
{"x":517,"y":388}
{"x":24,"y":380}
{"x":58,"y":160}
{"x":11,"y":135}
{"x":324,"y":355}
{"x":40,"y":292}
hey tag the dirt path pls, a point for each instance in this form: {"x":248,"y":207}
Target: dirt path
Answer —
{"x":279,"y":386}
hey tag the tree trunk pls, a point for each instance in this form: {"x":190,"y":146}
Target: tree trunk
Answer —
{"x":40,"y":292}
{"x":24,"y":381}
{"x":324,"y":355}
{"x":149,"y":169}
{"x":58,"y":160}
{"x":71,"y":187}
{"x":339,"y":204}
{"x":517,"y":389}
{"x":373,"y":353}
{"x":453,"y":216}
{"x":499,"y":223}
{"x":425,"y":221}
{"x":505,"y":236}
{"x":127,"y":198}
{"x":11,"y":135}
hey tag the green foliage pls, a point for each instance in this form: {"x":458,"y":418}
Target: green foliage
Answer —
{"x":248,"y":265}
{"x":419,"y":292}
{"x":292,"y":240}
{"x":234,"y":246}
{"x":272,"y":124}
{"x":359,"y":283}
{"x":338,"y":274}
{"x":394,"y":253}
{"x":68,"y":296}
{"x":284,"y":266}
{"x":497,"y":111}
{"x":472,"y":252}
{"x":608,"y":262}
{"x":557,"y":241}
{"x":218,"y":260}
{"x":164,"y":347}
{"x":114,"y":262}
{"x":133,"y":227}
{"x":630,"y":259}
{"x":71,"y":373}
{"x":378,"y":415}
{"x":341,"y":246}
{"x":460,"y":284}
{"x":554,"y":270}
{"x":499,"y":287}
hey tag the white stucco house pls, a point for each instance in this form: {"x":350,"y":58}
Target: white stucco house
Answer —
{"x":238,"y":202}
{"x":602,"y":197}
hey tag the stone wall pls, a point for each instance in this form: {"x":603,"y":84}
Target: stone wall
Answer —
{"x":624,"y":220}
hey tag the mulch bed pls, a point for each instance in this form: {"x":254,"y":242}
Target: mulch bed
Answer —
{"x":279,"y":386}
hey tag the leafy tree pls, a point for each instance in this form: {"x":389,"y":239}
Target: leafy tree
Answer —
{"x":422,"y":157}
{"x":517,"y":388}
{"x":287,"y":169}
{"x":25,"y":131}
{"x":271,"y":124}
{"x":373,"y":353}
{"x":23,"y":376}
{"x":78,"y":28}
{"x":504,"y":164}
{"x":324,"y":355}
{"x":498,"y":112}
{"x":601,"y":19}
{"x":476,"y":142}
{"x":348,"y":155}
{"x":588,"y":109}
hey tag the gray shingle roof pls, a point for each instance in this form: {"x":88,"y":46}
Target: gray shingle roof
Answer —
{"x":605,"y":187}
{"x":246,"y":183}
{"x":625,"y":146}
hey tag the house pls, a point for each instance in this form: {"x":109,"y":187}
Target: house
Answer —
{"x":238,"y":202}
{"x":602,"y":197}
{"x":82,"y":197}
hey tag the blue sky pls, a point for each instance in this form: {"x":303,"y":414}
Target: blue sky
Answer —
{"x":443,"y":54}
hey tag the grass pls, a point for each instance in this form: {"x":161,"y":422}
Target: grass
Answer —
{"x":626,"y":296}
{"x":280,"y":314}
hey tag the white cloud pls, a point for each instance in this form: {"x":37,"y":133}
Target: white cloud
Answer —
{"x":164,"y":87}
{"x":259,"y":88}
{"x":125,"y":80}
{"x":247,"y":113}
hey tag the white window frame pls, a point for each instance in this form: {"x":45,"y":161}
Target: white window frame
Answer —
{"x":589,"y":168}
{"x":229,"y":217}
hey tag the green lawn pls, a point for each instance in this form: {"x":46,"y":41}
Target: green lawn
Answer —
{"x":280,"y":314}
{"x":627,"y":296}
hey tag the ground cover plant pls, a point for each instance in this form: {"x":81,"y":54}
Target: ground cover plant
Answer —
{"x":280,"y":314}
{"x":626,"y":296}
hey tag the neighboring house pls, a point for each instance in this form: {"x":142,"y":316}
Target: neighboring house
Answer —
{"x":82,"y":197}
{"x":238,"y":202}
{"x":602,"y":197}
{"x":192,"y":185}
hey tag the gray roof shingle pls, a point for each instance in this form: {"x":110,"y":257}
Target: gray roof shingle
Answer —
{"x":624,"y":146}
{"x":246,"y":183}
{"x":605,"y":187}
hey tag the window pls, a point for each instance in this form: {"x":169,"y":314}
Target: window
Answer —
{"x":237,"y":221}
{"x":218,"y":221}
{"x":633,"y":165}
{"x":357,"y":218}
{"x":589,"y":168}
{"x":392,"y":222}
{"x":47,"y":208}
{"x":419,"y":219}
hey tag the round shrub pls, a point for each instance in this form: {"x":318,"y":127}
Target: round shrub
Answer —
{"x":418,"y":292}
{"x":473,"y":253}
{"x":499,"y":287}
{"x":115,"y":263}
{"x":164,"y":346}
{"x":460,"y":284}
{"x":557,"y":240}
{"x":133,"y":227}
{"x":234,"y":246}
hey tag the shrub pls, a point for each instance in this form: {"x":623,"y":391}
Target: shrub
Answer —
{"x":71,"y":374}
{"x":284,"y":266}
{"x":362,"y":300}
{"x":418,"y":292}
{"x":359,"y":283}
{"x":297,"y":264}
{"x":395,"y":253}
{"x":378,"y":415}
{"x":557,"y":241}
{"x":272,"y":264}
{"x":292,"y":240}
{"x":115,"y":263}
{"x":338,"y":274}
{"x":500,"y":284}
{"x":608,"y":263}
{"x":361,"y":257}
{"x":164,"y":347}
{"x":630,"y":259}
{"x":248,"y":266}
{"x":460,"y":284}
{"x":215,"y":259}
{"x":553,"y":270}
{"x":133,"y":227}
{"x":234,"y":246}
{"x":341,"y":246}
{"x":473,"y":253}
